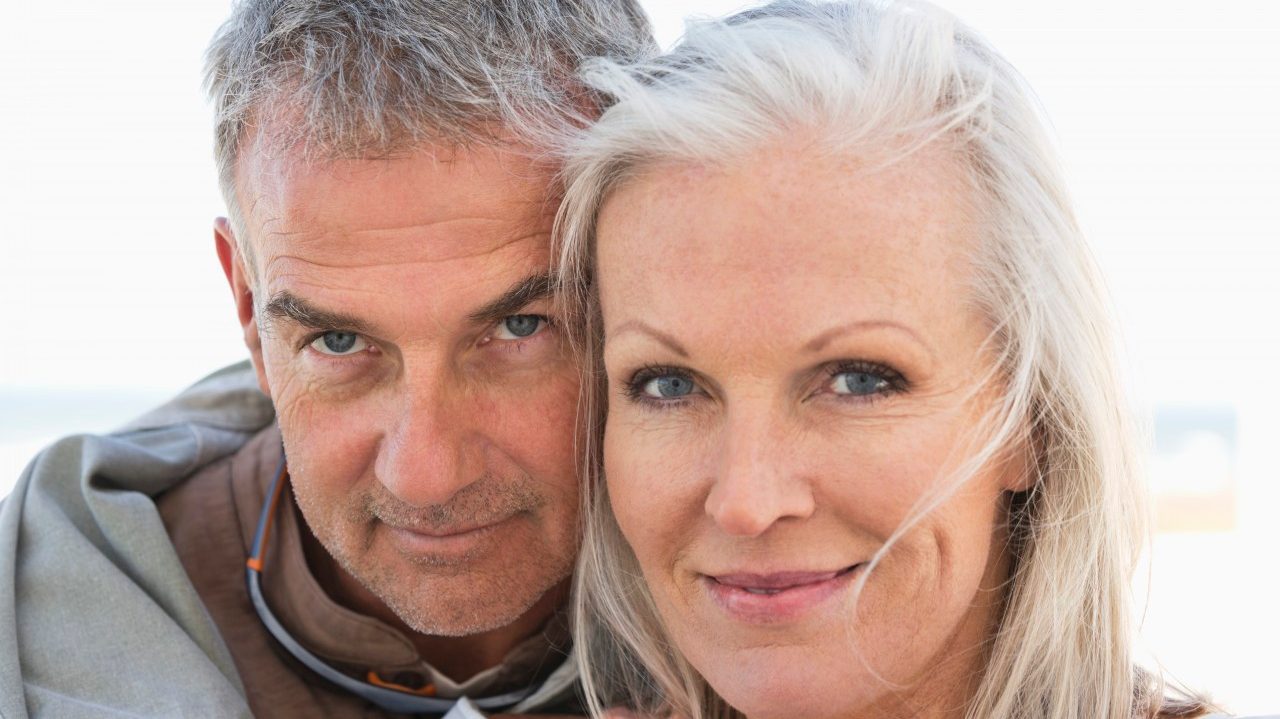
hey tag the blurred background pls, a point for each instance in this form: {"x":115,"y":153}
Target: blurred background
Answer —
{"x":1167,"y":116}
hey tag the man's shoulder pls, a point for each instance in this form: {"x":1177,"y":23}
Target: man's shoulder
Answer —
{"x":83,"y":553}
{"x":209,"y":420}
{"x":228,"y":399}
{"x":220,"y":501}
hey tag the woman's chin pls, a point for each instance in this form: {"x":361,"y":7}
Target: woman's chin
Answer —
{"x":790,"y":682}
{"x":816,"y":704}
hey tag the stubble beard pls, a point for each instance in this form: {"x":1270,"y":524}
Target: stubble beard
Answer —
{"x":478,"y":592}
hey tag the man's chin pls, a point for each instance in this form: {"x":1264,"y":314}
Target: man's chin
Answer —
{"x":465,"y":613}
{"x":456,"y":601}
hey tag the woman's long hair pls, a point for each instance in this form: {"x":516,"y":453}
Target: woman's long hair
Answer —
{"x":860,"y":77}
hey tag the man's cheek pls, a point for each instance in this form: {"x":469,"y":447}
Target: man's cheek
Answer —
{"x":314,"y":431}
{"x":281,"y":376}
{"x":294,"y":405}
{"x":298,"y":391}
{"x":551,"y":420}
{"x":534,"y":413}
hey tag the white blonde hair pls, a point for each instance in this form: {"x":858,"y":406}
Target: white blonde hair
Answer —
{"x":862,"y":76}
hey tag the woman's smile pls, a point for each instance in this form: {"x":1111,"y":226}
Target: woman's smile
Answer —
{"x":823,"y":387}
{"x":856,"y":443}
{"x":777,"y":597}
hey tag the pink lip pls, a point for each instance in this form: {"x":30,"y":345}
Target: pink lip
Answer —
{"x":778,"y":596}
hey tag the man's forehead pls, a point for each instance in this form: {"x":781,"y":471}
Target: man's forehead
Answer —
{"x":428,"y":202}
{"x":429,"y":246}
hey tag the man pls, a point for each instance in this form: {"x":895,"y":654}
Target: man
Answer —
{"x":390,"y":209}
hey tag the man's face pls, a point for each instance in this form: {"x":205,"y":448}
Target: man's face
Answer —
{"x":423,"y":391}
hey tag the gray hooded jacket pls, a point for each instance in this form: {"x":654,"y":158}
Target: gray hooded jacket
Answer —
{"x":97,"y":615}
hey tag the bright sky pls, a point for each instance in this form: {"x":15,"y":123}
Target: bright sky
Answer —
{"x":1166,"y":114}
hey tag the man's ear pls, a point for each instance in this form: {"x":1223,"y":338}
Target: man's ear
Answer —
{"x":233,"y":267}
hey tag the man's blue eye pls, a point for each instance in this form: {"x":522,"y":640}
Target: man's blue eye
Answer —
{"x":859,"y":384}
{"x":668,"y":386}
{"x":339,"y":343}
{"x":520,"y":326}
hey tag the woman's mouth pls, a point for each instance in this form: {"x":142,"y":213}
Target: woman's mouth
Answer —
{"x":776,"y":596}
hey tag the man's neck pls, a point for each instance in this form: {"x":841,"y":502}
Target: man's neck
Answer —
{"x":458,"y":658}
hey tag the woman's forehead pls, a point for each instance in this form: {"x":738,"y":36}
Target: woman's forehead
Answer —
{"x":781,"y":230}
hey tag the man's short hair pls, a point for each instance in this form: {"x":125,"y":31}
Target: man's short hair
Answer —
{"x":371,"y":78}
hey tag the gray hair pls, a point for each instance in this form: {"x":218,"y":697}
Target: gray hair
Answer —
{"x":872,"y":78}
{"x":360,"y":78}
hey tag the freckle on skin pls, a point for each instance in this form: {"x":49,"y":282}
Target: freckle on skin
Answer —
{"x":767,"y":271}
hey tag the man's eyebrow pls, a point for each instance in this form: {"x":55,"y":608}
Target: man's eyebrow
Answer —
{"x":530,"y":289}
{"x":289,"y":307}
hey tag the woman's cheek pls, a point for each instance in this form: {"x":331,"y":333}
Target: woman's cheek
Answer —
{"x":647,"y":473}
{"x":624,"y":468}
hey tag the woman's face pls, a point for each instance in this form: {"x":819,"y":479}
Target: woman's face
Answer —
{"x":793,"y":364}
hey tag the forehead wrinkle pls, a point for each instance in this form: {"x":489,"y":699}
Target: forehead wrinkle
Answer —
{"x":315,"y":194}
{"x":444,"y":222}
{"x":290,"y":189}
{"x":385,"y":258}
{"x":308,"y":222}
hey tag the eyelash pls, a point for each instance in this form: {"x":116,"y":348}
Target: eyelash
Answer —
{"x":634,"y":387}
{"x":897,"y":383}
{"x":517,"y":345}
{"x":507,"y":345}
{"x":309,"y":339}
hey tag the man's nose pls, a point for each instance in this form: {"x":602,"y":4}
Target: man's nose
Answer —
{"x":424,"y":457}
{"x":759,"y":478}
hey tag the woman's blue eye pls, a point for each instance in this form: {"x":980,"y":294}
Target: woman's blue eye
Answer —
{"x":339,"y":343}
{"x":859,"y":384}
{"x":668,"y":386}
{"x":519,"y":326}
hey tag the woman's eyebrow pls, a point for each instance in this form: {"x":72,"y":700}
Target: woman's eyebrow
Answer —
{"x":820,"y":341}
{"x":522,"y":293}
{"x":645,"y":329}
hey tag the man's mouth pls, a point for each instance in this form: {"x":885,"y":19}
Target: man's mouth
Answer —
{"x":438,"y":532}
{"x":449,"y":543}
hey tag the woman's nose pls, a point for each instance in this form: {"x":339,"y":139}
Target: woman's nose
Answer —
{"x":759,"y":479}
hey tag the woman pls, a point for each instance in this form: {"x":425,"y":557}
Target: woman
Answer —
{"x":864,"y":450}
